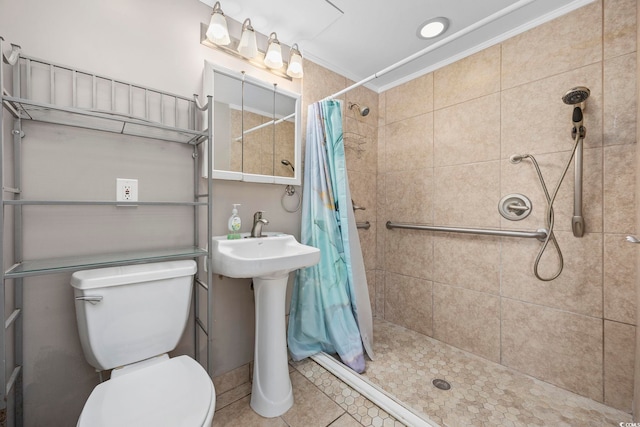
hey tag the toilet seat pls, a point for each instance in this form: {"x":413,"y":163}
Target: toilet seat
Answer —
{"x":176,"y":392}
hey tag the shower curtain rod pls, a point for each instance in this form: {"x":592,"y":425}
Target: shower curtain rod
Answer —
{"x":507,"y":10}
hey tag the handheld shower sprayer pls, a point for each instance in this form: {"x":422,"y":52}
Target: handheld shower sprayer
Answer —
{"x":575,"y":97}
{"x":288,"y":163}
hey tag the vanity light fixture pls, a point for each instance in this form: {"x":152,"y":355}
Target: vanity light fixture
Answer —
{"x":432,"y":28}
{"x":217,"y":31}
{"x":273,"y":57}
{"x":295,"y":62}
{"x":216,"y":35}
{"x":248,"y":47}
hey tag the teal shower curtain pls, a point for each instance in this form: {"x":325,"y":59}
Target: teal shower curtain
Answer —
{"x":324,"y":314}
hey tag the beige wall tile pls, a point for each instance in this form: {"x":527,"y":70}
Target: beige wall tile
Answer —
{"x":410,"y":99}
{"x":619,"y":189}
{"x":472,"y":77}
{"x":472,"y":262}
{"x":320,"y":82}
{"x":409,"y":252}
{"x":467,"y":319}
{"x":579,"y":287}
{"x":407,"y":302}
{"x":409,"y":144}
{"x":535,"y":120}
{"x":619,"y":27}
{"x":379,"y":303}
{"x":368,"y":245}
{"x":380,"y":220}
{"x":467,"y":132}
{"x":380,"y":230}
{"x":522,"y":178}
{"x":382,"y":109}
{"x":619,"y":347}
{"x":636,"y":397}
{"x":566,"y":43}
{"x":362,"y":186}
{"x":409,"y":196}
{"x":620,"y":100}
{"x":360,"y":145}
{"x":562,"y":348}
{"x":467,"y":195}
{"x":381,"y":148}
{"x":620,"y":278}
{"x":371,"y":287}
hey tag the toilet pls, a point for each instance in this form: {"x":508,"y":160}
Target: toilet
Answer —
{"x":129,"y":318}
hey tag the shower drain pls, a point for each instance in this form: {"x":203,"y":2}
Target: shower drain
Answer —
{"x":441,"y":384}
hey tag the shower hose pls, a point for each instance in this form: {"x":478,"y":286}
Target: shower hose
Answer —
{"x":549,"y":217}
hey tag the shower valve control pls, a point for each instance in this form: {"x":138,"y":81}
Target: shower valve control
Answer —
{"x":514,"y":207}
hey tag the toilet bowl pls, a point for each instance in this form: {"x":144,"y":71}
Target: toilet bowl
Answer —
{"x":175,"y":392}
{"x":128,"y":319}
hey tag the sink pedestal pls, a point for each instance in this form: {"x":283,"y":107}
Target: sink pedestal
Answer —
{"x":271,"y":395}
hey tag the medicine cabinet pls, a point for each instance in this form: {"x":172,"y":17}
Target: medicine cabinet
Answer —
{"x":256,"y":128}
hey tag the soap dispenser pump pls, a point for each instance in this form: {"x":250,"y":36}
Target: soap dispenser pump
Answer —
{"x":234,"y":223}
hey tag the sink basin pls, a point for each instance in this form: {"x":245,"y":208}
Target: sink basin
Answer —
{"x":271,"y":256}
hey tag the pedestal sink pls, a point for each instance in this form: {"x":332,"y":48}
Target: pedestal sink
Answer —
{"x":268,"y":261}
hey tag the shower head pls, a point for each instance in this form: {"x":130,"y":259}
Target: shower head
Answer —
{"x":576,"y":95}
{"x":363,"y":111}
{"x":288,"y":163}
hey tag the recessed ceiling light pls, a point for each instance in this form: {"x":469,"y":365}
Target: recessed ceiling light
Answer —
{"x":432,"y":28}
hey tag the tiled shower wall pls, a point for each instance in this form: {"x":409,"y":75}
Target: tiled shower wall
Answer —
{"x":444,"y":142}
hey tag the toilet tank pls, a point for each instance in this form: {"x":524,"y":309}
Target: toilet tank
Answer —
{"x":142,"y":310}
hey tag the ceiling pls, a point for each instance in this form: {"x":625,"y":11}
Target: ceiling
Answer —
{"x":359,"y":38}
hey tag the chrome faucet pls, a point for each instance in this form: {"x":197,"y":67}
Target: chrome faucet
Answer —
{"x":258,"y":222}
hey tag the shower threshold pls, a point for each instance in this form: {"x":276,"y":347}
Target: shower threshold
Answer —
{"x":377,"y":395}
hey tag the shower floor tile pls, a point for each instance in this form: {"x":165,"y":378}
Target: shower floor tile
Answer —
{"x":483,"y":393}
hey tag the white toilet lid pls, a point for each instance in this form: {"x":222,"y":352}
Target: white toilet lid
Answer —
{"x":174,"y":393}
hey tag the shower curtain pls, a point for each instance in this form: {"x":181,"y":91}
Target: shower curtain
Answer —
{"x":330,"y":308}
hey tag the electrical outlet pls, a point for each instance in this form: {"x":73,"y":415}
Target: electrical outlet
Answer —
{"x":126,"y":190}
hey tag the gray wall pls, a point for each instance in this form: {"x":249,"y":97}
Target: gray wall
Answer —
{"x":152,"y":43}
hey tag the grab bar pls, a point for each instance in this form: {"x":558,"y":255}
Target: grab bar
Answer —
{"x":539,"y":234}
{"x":364,"y":225}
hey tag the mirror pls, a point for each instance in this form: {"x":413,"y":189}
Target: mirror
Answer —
{"x":255,"y":130}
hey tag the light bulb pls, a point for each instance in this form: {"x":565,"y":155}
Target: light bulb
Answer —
{"x":248,"y":46}
{"x":217,"y":31}
{"x":295,"y":63}
{"x":273,"y":57}
{"x":432,"y":28}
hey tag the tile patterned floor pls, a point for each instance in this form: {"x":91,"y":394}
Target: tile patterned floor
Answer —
{"x":483,"y":393}
{"x":320,"y":400}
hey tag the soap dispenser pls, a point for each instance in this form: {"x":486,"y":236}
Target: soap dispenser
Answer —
{"x":234,"y":223}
